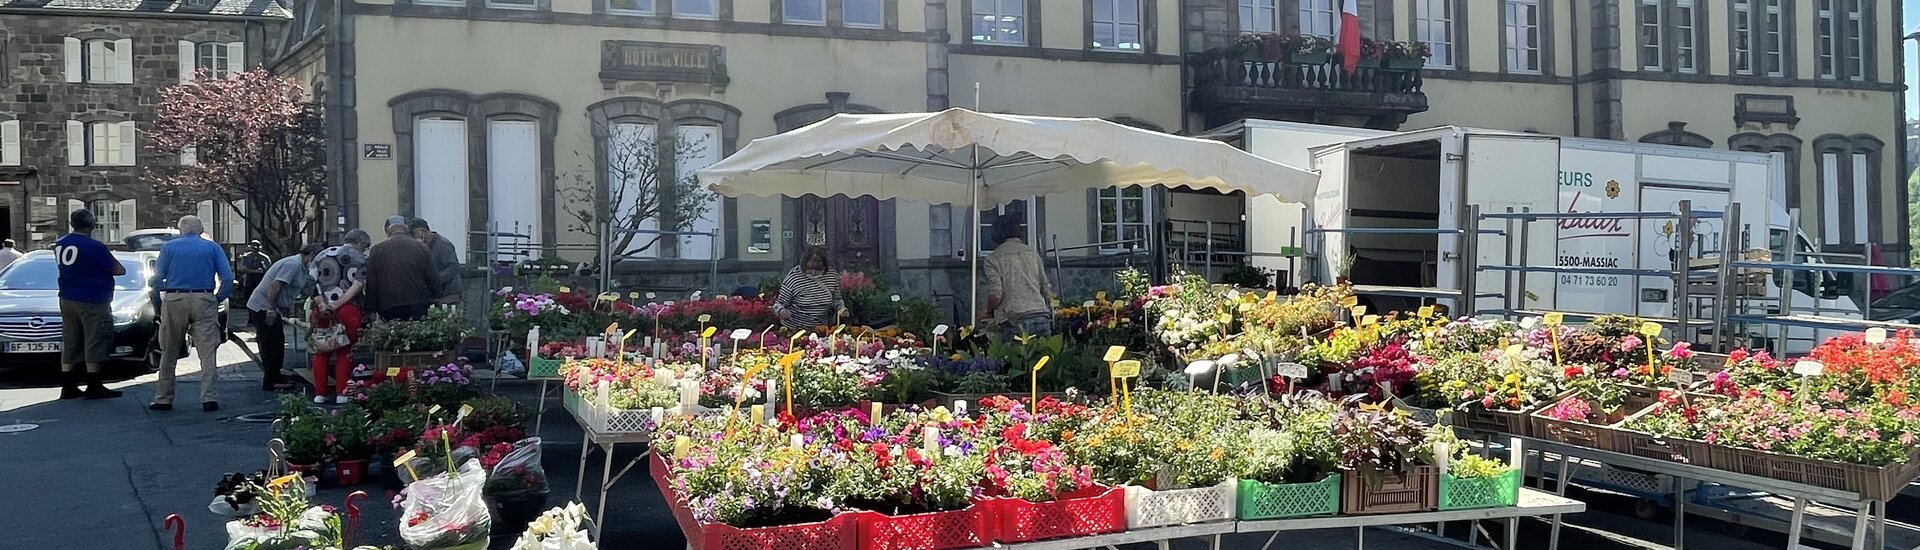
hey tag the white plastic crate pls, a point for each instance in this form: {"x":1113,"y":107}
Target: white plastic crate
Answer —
{"x":1150,"y":508}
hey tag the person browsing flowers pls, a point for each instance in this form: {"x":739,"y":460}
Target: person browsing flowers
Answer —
{"x":810,"y":294}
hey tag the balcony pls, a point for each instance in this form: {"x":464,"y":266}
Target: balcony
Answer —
{"x":1228,"y":87}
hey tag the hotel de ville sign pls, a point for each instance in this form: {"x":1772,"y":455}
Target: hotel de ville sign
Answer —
{"x":630,"y":60}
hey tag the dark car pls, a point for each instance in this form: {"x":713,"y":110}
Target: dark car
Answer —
{"x":1900,"y":305}
{"x":30,"y":311}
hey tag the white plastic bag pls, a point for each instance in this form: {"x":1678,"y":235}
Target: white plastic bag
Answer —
{"x":446,"y":511}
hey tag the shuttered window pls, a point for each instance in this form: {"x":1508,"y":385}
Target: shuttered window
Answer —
{"x":218,"y":59}
{"x":10,"y":143}
{"x":513,"y":180}
{"x":100,"y":143}
{"x":440,"y":177}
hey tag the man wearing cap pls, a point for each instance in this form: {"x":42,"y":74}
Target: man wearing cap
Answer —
{"x":252,"y":267}
{"x":446,"y":262}
{"x":1018,"y":297}
{"x":193,"y":277}
{"x":87,"y":270}
{"x":400,"y":276}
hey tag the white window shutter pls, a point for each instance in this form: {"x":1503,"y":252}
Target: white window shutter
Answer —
{"x":236,"y":57}
{"x":128,"y":218}
{"x":189,"y":156}
{"x":126,"y":144}
{"x":76,"y":143}
{"x":75,"y":56}
{"x":123,"y":60}
{"x":188,"y":56}
{"x":10,"y":143}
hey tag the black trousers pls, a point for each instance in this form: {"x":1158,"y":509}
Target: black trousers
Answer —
{"x":405,"y":313}
{"x":272,"y":339}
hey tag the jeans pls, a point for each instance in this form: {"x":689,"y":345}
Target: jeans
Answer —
{"x":179,"y":314}
{"x":270,"y":333}
{"x":1032,"y":324}
{"x":336,"y":365}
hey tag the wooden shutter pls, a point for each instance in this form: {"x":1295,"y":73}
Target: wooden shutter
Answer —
{"x":129,"y":221}
{"x":75,"y":64}
{"x":76,"y":143}
{"x":10,"y":143}
{"x":126,"y":144}
{"x":123,"y":60}
{"x":190,"y":156}
{"x":189,"y":55}
{"x":236,"y":57}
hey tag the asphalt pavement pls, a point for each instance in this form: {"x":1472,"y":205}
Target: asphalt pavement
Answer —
{"x":106,"y":474}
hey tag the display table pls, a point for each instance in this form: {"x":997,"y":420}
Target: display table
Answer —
{"x":590,"y":439}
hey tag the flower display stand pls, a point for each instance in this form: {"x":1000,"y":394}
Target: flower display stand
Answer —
{"x":968,"y":528}
{"x":1260,"y":500}
{"x":1151,"y":508}
{"x":1391,"y":493}
{"x":544,"y":369}
{"x":840,"y":532}
{"x":1484,"y":492}
{"x":1090,"y":511}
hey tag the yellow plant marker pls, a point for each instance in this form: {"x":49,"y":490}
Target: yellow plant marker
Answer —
{"x":433,"y":409}
{"x":1426,"y":311}
{"x":708,"y":333}
{"x":1100,"y":296}
{"x":609,"y":296}
{"x":393,"y":371}
{"x":1651,"y":330}
{"x":1114,"y":354}
{"x":566,"y":290}
{"x":1358,"y":312}
{"x":786,"y":364}
{"x":1553,"y":321}
{"x":1122,"y":371}
{"x":1034,"y":381}
{"x":1369,"y":320}
{"x":406,"y":461}
{"x":635,"y":295}
{"x":680,"y":445}
{"x":285,"y":480}
{"x":1373,"y":407}
{"x":1350,"y":301}
{"x":795,"y":340}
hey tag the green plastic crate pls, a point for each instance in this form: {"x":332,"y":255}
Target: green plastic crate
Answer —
{"x":1259,"y":500}
{"x":538,"y":368}
{"x":1487,"y":492}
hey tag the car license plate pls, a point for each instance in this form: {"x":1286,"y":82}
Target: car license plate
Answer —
{"x":33,"y":347}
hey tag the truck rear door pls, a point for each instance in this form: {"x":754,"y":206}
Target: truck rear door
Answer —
{"x":1329,"y":209}
{"x":1520,"y":172}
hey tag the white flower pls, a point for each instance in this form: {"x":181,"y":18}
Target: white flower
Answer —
{"x":315,"y":518}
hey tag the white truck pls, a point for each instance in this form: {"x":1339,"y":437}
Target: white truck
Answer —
{"x":1423,"y":180}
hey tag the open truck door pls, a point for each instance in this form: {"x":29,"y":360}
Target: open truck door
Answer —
{"x":1329,"y":211}
{"x":1502,"y":172}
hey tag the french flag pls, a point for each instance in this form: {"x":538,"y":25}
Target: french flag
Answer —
{"x":1347,"y":40}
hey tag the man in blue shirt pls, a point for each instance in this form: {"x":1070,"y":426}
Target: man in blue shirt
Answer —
{"x":87,"y":270}
{"x":193,"y":277}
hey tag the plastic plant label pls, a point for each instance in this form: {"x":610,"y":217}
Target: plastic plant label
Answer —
{"x":1426,"y":311}
{"x":1529,"y":323}
{"x":1514,"y":350}
{"x":1370,"y":320}
{"x":1100,"y":296}
{"x":705,"y":317}
{"x":1115,"y":353}
{"x":940,"y":329}
{"x":1291,"y":370}
{"x":1087,"y":304}
{"x":787,"y":361}
{"x":433,"y":409}
{"x":1876,"y":336}
{"x":1350,"y":301}
{"x":466,"y":410}
{"x":895,"y":297}
{"x":566,"y":290}
{"x":404,"y":458}
{"x":741,"y":333}
{"x":393,"y":371}
{"x":1195,"y":368}
{"x":1228,"y":359}
{"x":1681,"y":376}
{"x":609,"y":296}
{"x":1650,"y":328}
{"x":695,"y":296}
{"x":1554,"y":319}
{"x":1042,"y":363}
{"x":633,"y":295}
{"x":1809,"y":368}
{"x":288,"y":479}
{"x":651,"y":295}
{"x":1358,"y":311}
{"x":1126,"y":369}
{"x":709,"y":332}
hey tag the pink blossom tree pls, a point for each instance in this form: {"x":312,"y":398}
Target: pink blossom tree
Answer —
{"x":254,"y":138}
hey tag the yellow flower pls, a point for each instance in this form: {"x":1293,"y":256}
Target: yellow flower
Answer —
{"x":1513,"y":378}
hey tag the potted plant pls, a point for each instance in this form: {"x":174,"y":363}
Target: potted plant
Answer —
{"x":412,"y":344}
{"x":565,"y":527}
{"x":1407,"y":55}
{"x":920,"y":498}
{"x":516,"y":483}
{"x":1310,"y":50}
{"x":1380,"y":461}
{"x":1290,"y":471}
{"x":352,"y":444}
{"x":308,"y":443}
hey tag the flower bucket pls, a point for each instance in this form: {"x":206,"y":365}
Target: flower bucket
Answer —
{"x":544,"y":369}
{"x":1260,"y":500}
{"x":1151,"y":508}
{"x":1091,"y":511}
{"x":1484,"y":492}
{"x":350,"y":472}
{"x":1391,"y":493}
{"x":967,"y":528}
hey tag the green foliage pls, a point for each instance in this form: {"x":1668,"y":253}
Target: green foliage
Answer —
{"x":918,"y":316}
{"x":906,"y":384}
{"x":1475,"y":467}
{"x":1248,"y":276}
{"x":306,"y":439}
{"x":1134,"y":283}
{"x":353,"y":434}
{"x":489,"y":412}
{"x":441,"y":330}
{"x":820,"y":386}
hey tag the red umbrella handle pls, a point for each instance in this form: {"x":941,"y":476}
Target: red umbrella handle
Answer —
{"x":178,"y":525}
{"x":353,"y":517}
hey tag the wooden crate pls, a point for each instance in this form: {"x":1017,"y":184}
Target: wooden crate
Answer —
{"x":1391,"y":493}
{"x":383,"y":360}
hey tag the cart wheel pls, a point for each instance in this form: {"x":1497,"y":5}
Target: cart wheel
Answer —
{"x":1646,"y":509}
{"x":1734,"y":530}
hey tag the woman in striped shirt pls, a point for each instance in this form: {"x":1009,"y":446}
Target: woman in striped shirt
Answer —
{"x":810,"y":294}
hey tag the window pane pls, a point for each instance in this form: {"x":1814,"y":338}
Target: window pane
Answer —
{"x":694,"y":8}
{"x":862,"y":13}
{"x":803,"y":11}
{"x":999,"y":22}
{"x":631,"y":6}
{"x":1127,"y":11}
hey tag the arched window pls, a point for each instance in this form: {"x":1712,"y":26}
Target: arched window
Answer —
{"x":1677,"y":134}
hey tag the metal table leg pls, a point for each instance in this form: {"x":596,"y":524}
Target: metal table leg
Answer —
{"x":1861,"y":517}
{"x":1679,"y":513}
{"x":1793,"y":527}
{"x":540,"y":414}
{"x":1360,"y":538}
{"x":1553,"y":539}
{"x":580,"y":474}
{"x":1880,"y":524}
{"x":606,"y":481}
{"x":1513,"y":534}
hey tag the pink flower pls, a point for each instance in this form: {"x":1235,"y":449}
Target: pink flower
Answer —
{"x":1629,"y":343}
{"x":1681,"y":351}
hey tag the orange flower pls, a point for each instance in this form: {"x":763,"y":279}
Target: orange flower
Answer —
{"x":1066,"y":435}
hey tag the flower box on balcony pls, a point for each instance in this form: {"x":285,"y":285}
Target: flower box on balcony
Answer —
{"x":1318,"y":58}
{"x":1403,"y":63}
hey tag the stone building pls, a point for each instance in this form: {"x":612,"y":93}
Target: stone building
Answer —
{"x":79,"y":83}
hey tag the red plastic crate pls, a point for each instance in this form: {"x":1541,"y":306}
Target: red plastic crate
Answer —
{"x":841,"y":532}
{"x":969,"y":528}
{"x":1091,"y":511}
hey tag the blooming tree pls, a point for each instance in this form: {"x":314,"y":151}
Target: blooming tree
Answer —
{"x":254,"y":138}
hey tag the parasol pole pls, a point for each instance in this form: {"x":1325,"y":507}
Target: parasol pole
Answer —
{"x":973,"y":256}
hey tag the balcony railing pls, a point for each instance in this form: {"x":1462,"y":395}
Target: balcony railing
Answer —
{"x":1229,"y":87}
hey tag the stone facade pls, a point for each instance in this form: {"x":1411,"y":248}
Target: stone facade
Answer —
{"x":34,"y":90}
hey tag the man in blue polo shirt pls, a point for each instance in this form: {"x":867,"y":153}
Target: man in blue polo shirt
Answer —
{"x":193,"y":277}
{"x":87,"y":270}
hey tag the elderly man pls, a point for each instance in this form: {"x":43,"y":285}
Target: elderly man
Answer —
{"x":1018,"y":297}
{"x":267,"y":307}
{"x":193,"y":277}
{"x":400,"y":276}
{"x":446,"y":262}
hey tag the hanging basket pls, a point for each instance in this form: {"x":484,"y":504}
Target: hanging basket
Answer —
{"x":1151,"y":508}
{"x":1261,"y":500}
{"x":1484,"y":492}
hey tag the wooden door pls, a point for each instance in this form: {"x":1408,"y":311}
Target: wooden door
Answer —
{"x":848,"y":228}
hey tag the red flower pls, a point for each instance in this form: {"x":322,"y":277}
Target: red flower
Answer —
{"x":1573,"y":371}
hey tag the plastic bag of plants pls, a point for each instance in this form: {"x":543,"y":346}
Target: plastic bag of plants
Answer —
{"x":446,"y":511}
{"x":517,"y":476}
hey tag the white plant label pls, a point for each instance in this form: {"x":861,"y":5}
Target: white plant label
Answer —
{"x":895,"y":297}
{"x":741,"y":334}
{"x":1876,"y":336}
{"x":651,"y":295}
{"x":1291,"y":370}
{"x":939,"y":330}
{"x":1808,"y":368}
{"x":1681,"y":376}
{"x":1228,"y":360}
{"x":1199,"y":367}
{"x":1529,"y":323}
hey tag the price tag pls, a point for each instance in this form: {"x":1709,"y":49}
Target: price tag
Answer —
{"x":403,"y":459}
{"x":1808,"y":368}
{"x":286,"y":480}
{"x":635,"y":295}
{"x":741,"y":334}
{"x":1369,"y":320}
{"x":1650,"y":328}
{"x":609,"y":296}
{"x":787,"y":361}
{"x":1426,"y":311}
{"x":895,"y":297}
{"x":566,"y":290}
{"x":1682,"y":377}
{"x":433,"y":409}
{"x":694,"y":297}
{"x":705,"y":317}
{"x":1291,"y":370}
{"x":709,"y":332}
{"x":1126,"y":369}
{"x":466,"y":410}
{"x":940,"y":329}
{"x":1514,"y":350}
{"x":1042,"y":363}
{"x":1358,"y":311}
{"x":1115,"y":353}
{"x":1554,"y":319}
{"x":1087,"y":304}
{"x":1350,"y":301}
{"x":650,"y":295}
{"x":1529,"y":323}
{"x":393,"y":371}
{"x":1876,"y":336}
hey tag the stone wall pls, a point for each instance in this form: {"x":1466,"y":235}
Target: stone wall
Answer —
{"x":34,"y":91}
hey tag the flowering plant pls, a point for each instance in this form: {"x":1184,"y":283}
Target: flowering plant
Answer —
{"x":1491,"y":380}
{"x":441,"y":330}
{"x":1374,"y":441}
{"x":1032,"y":469}
{"x":1830,"y":426}
{"x":562,"y":528}
{"x":447,"y":385}
{"x":1292,"y":439}
{"x":561,"y":350}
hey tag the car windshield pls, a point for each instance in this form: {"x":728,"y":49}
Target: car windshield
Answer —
{"x":148,"y":242}
{"x":1907,"y":297}
{"x":42,"y":274}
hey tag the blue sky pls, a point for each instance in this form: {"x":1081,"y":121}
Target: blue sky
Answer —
{"x":1912,"y":21}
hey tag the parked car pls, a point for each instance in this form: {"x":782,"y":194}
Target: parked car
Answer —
{"x":30,"y":311}
{"x":1900,"y":305}
{"x":148,"y":240}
